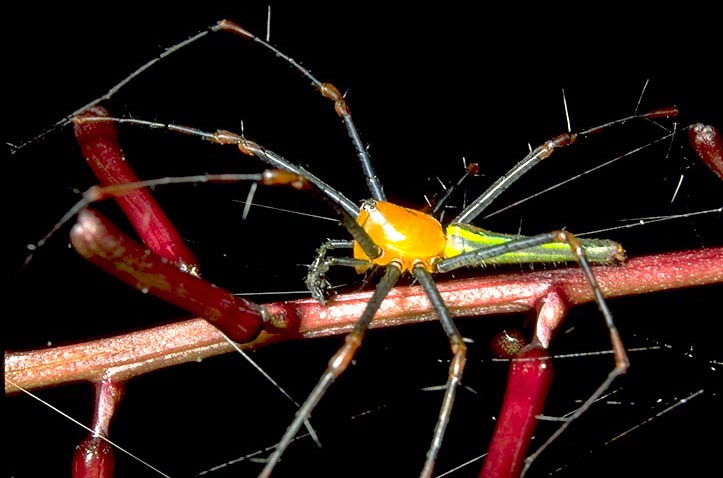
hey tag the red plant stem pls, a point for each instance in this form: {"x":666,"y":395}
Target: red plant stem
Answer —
{"x":99,"y":241}
{"x":528,"y":381}
{"x":99,"y":144}
{"x":129,"y":355}
{"x":108,"y":393}
{"x":94,"y":456}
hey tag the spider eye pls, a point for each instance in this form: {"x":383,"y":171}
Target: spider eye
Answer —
{"x":369,"y":205}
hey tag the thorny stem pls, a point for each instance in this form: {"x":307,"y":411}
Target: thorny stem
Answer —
{"x":126,"y":356}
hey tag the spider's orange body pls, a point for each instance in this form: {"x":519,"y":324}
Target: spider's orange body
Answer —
{"x":404,"y":235}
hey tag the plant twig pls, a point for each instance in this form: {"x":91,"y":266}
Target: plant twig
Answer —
{"x":130,"y":355}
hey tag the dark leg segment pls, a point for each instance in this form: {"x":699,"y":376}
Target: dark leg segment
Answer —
{"x":456,"y":366}
{"x":542,"y":152}
{"x":316,"y":278}
{"x":621,"y":358}
{"x":338,"y":363}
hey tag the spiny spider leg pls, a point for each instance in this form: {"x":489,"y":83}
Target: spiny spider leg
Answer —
{"x":316,"y":278}
{"x":542,"y":152}
{"x":456,"y":366}
{"x":328,"y":91}
{"x":622,"y":363}
{"x":338,"y":363}
{"x":247,"y":147}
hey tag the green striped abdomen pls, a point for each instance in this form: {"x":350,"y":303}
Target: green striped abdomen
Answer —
{"x":466,"y":238}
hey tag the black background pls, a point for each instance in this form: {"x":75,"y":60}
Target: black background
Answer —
{"x":426,"y":86}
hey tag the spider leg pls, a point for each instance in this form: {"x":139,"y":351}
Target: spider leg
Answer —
{"x":338,"y":363}
{"x":621,"y":359}
{"x":328,"y":91}
{"x":544,"y":151}
{"x":456,"y":366}
{"x":316,"y":278}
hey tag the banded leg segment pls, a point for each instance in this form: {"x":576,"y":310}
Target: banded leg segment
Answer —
{"x":337,"y":365}
{"x":328,"y":91}
{"x":247,"y":147}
